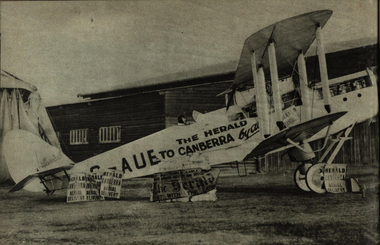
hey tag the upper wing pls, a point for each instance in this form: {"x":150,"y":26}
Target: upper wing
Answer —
{"x":290,"y":36}
{"x":297,"y":133}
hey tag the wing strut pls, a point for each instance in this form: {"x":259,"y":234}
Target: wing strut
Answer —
{"x":261,"y":97}
{"x":275,"y":85}
{"x":305,"y":91}
{"x":323,"y":69}
{"x":262,"y":104}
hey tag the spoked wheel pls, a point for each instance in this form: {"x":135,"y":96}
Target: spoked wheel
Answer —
{"x":300,"y":176}
{"x":315,"y":179}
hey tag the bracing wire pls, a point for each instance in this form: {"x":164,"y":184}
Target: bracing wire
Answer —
{"x":292,"y":65}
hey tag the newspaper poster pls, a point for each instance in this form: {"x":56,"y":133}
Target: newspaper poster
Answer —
{"x":183,"y":183}
{"x":335,"y":178}
{"x":111,"y":184}
{"x":82,"y":187}
{"x":97,"y":177}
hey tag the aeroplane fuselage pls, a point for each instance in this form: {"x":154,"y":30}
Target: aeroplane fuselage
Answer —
{"x":179,"y":147}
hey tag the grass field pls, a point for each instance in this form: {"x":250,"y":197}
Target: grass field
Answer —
{"x":258,"y":209}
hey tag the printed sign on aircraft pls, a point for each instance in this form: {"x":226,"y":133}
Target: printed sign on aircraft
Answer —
{"x":143,"y":157}
{"x":290,"y":116}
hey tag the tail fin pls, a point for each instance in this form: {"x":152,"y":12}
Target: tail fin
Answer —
{"x":28,"y":156}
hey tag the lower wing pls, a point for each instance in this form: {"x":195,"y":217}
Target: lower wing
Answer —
{"x":297,"y":133}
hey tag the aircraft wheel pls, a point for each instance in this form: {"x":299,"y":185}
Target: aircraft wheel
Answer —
{"x":300,"y":176}
{"x":315,"y":179}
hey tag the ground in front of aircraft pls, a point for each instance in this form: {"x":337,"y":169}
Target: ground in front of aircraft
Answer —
{"x":258,"y":209}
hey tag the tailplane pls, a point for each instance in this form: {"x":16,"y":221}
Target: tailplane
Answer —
{"x":34,"y":164}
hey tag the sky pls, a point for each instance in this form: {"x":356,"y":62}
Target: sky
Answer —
{"x":65,"y":48}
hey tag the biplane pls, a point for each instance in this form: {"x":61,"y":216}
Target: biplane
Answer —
{"x":256,"y":121}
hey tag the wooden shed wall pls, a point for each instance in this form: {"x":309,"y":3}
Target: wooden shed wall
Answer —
{"x":138,"y":116}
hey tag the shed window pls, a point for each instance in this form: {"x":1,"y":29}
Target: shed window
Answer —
{"x":78,"y":136}
{"x":110,"y":134}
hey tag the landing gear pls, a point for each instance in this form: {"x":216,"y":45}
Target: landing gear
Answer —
{"x":310,"y":177}
{"x":315,"y":179}
{"x":300,"y":176}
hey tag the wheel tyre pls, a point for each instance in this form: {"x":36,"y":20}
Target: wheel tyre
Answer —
{"x":315,"y":178}
{"x":300,"y":176}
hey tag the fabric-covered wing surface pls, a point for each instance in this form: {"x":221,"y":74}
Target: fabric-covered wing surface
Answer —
{"x":297,"y":133}
{"x":290,"y":36}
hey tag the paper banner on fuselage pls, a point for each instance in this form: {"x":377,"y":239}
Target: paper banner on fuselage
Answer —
{"x":290,"y":116}
{"x":82,"y":187}
{"x":111,"y":184}
{"x":335,"y":178}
